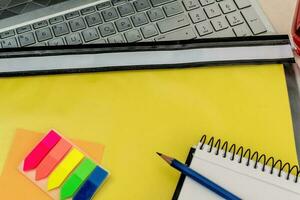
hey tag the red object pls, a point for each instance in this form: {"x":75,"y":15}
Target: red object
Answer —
{"x":34,"y":158}
{"x":296,"y":28}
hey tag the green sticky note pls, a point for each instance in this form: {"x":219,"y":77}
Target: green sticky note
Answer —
{"x":77,"y":178}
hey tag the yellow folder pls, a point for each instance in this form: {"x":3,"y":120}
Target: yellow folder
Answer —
{"x":136,"y":113}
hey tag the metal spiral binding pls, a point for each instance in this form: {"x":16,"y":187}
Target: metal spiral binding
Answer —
{"x":246,"y":153}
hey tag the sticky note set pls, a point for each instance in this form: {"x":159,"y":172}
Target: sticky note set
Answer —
{"x":62,"y":170}
{"x":25,"y":140}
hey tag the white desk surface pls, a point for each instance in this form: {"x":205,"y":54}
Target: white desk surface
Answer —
{"x":280,"y":13}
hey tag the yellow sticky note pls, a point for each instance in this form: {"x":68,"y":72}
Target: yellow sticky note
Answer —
{"x":136,"y":113}
{"x":66,"y":166}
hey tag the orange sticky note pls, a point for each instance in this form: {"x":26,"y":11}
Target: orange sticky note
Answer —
{"x":10,"y":179}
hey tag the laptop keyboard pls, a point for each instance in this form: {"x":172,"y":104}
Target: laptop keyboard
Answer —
{"x":120,"y":21}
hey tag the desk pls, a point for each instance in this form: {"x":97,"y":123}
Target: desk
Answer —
{"x":280,"y":13}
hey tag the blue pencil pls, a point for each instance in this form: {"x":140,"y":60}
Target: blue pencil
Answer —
{"x":199,"y":178}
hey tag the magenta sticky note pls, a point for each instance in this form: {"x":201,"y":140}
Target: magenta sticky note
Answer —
{"x":34,"y":158}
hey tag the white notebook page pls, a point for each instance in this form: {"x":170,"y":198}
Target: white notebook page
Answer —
{"x":243,"y":181}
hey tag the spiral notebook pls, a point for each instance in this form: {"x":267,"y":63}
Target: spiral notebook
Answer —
{"x":250,"y":176}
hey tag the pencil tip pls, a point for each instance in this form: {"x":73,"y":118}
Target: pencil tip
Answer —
{"x":166,"y":158}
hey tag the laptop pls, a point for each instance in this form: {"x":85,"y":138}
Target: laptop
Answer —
{"x":25,"y":23}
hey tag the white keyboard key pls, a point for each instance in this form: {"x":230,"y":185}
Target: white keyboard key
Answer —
{"x":99,"y":41}
{"x":103,"y":5}
{"x":219,"y":23}
{"x":43,"y":34}
{"x":60,"y":29}
{"x":173,"y":9}
{"x":9,"y":43}
{"x":242,"y":3}
{"x":7,"y":34}
{"x":73,"y":39}
{"x":107,"y":29}
{"x":223,"y":33}
{"x":191,"y":4}
{"x":23,"y":29}
{"x":242,"y":30}
{"x":110,"y":14}
{"x":77,"y":24}
{"x":235,"y":18}
{"x":40,"y":44}
{"x":204,"y":28}
{"x":173,"y":23}
{"x":40,"y":24}
{"x":197,"y":15}
{"x":56,"y":19}
{"x":182,"y":34}
{"x":227,"y":6}
{"x":206,"y":2}
{"x":117,"y":2}
{"x":141,"y":5}
{"x":90,"y":34}
{"x":159,"y":2}
{"x":253,"y":21}
{"x":123,"y":24}
{"x":56,"y":42}
{"x":88,"y":10}
{"x":93,"y":19}
{"x":155,"y":14}
{"x":149,"y":31}
{"x":26,"y":39}
{"x":133,"y":36}
{"x":212,"y":10}
{"x":72,"y":15}
{"x":125,"y":9}
{"x":139,"y":19}
{"x":116,"y":39}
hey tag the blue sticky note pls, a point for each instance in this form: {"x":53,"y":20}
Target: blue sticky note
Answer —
{"x":91,"y":185}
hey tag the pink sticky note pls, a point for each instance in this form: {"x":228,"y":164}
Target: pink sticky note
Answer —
{"x":52,"y":159}
{"x":34,"y":158}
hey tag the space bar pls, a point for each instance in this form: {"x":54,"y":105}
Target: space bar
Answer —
{"x":182,"y":34}
{"x":173,"y":23}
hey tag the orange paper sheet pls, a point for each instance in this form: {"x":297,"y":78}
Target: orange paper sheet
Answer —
{"x":12,"y":180}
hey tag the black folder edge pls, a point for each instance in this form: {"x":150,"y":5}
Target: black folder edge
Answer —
{"x":294,"y":99}
{"x":266,"y":40}
{"x":274,"y":40}
{"x":182,"y":176}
